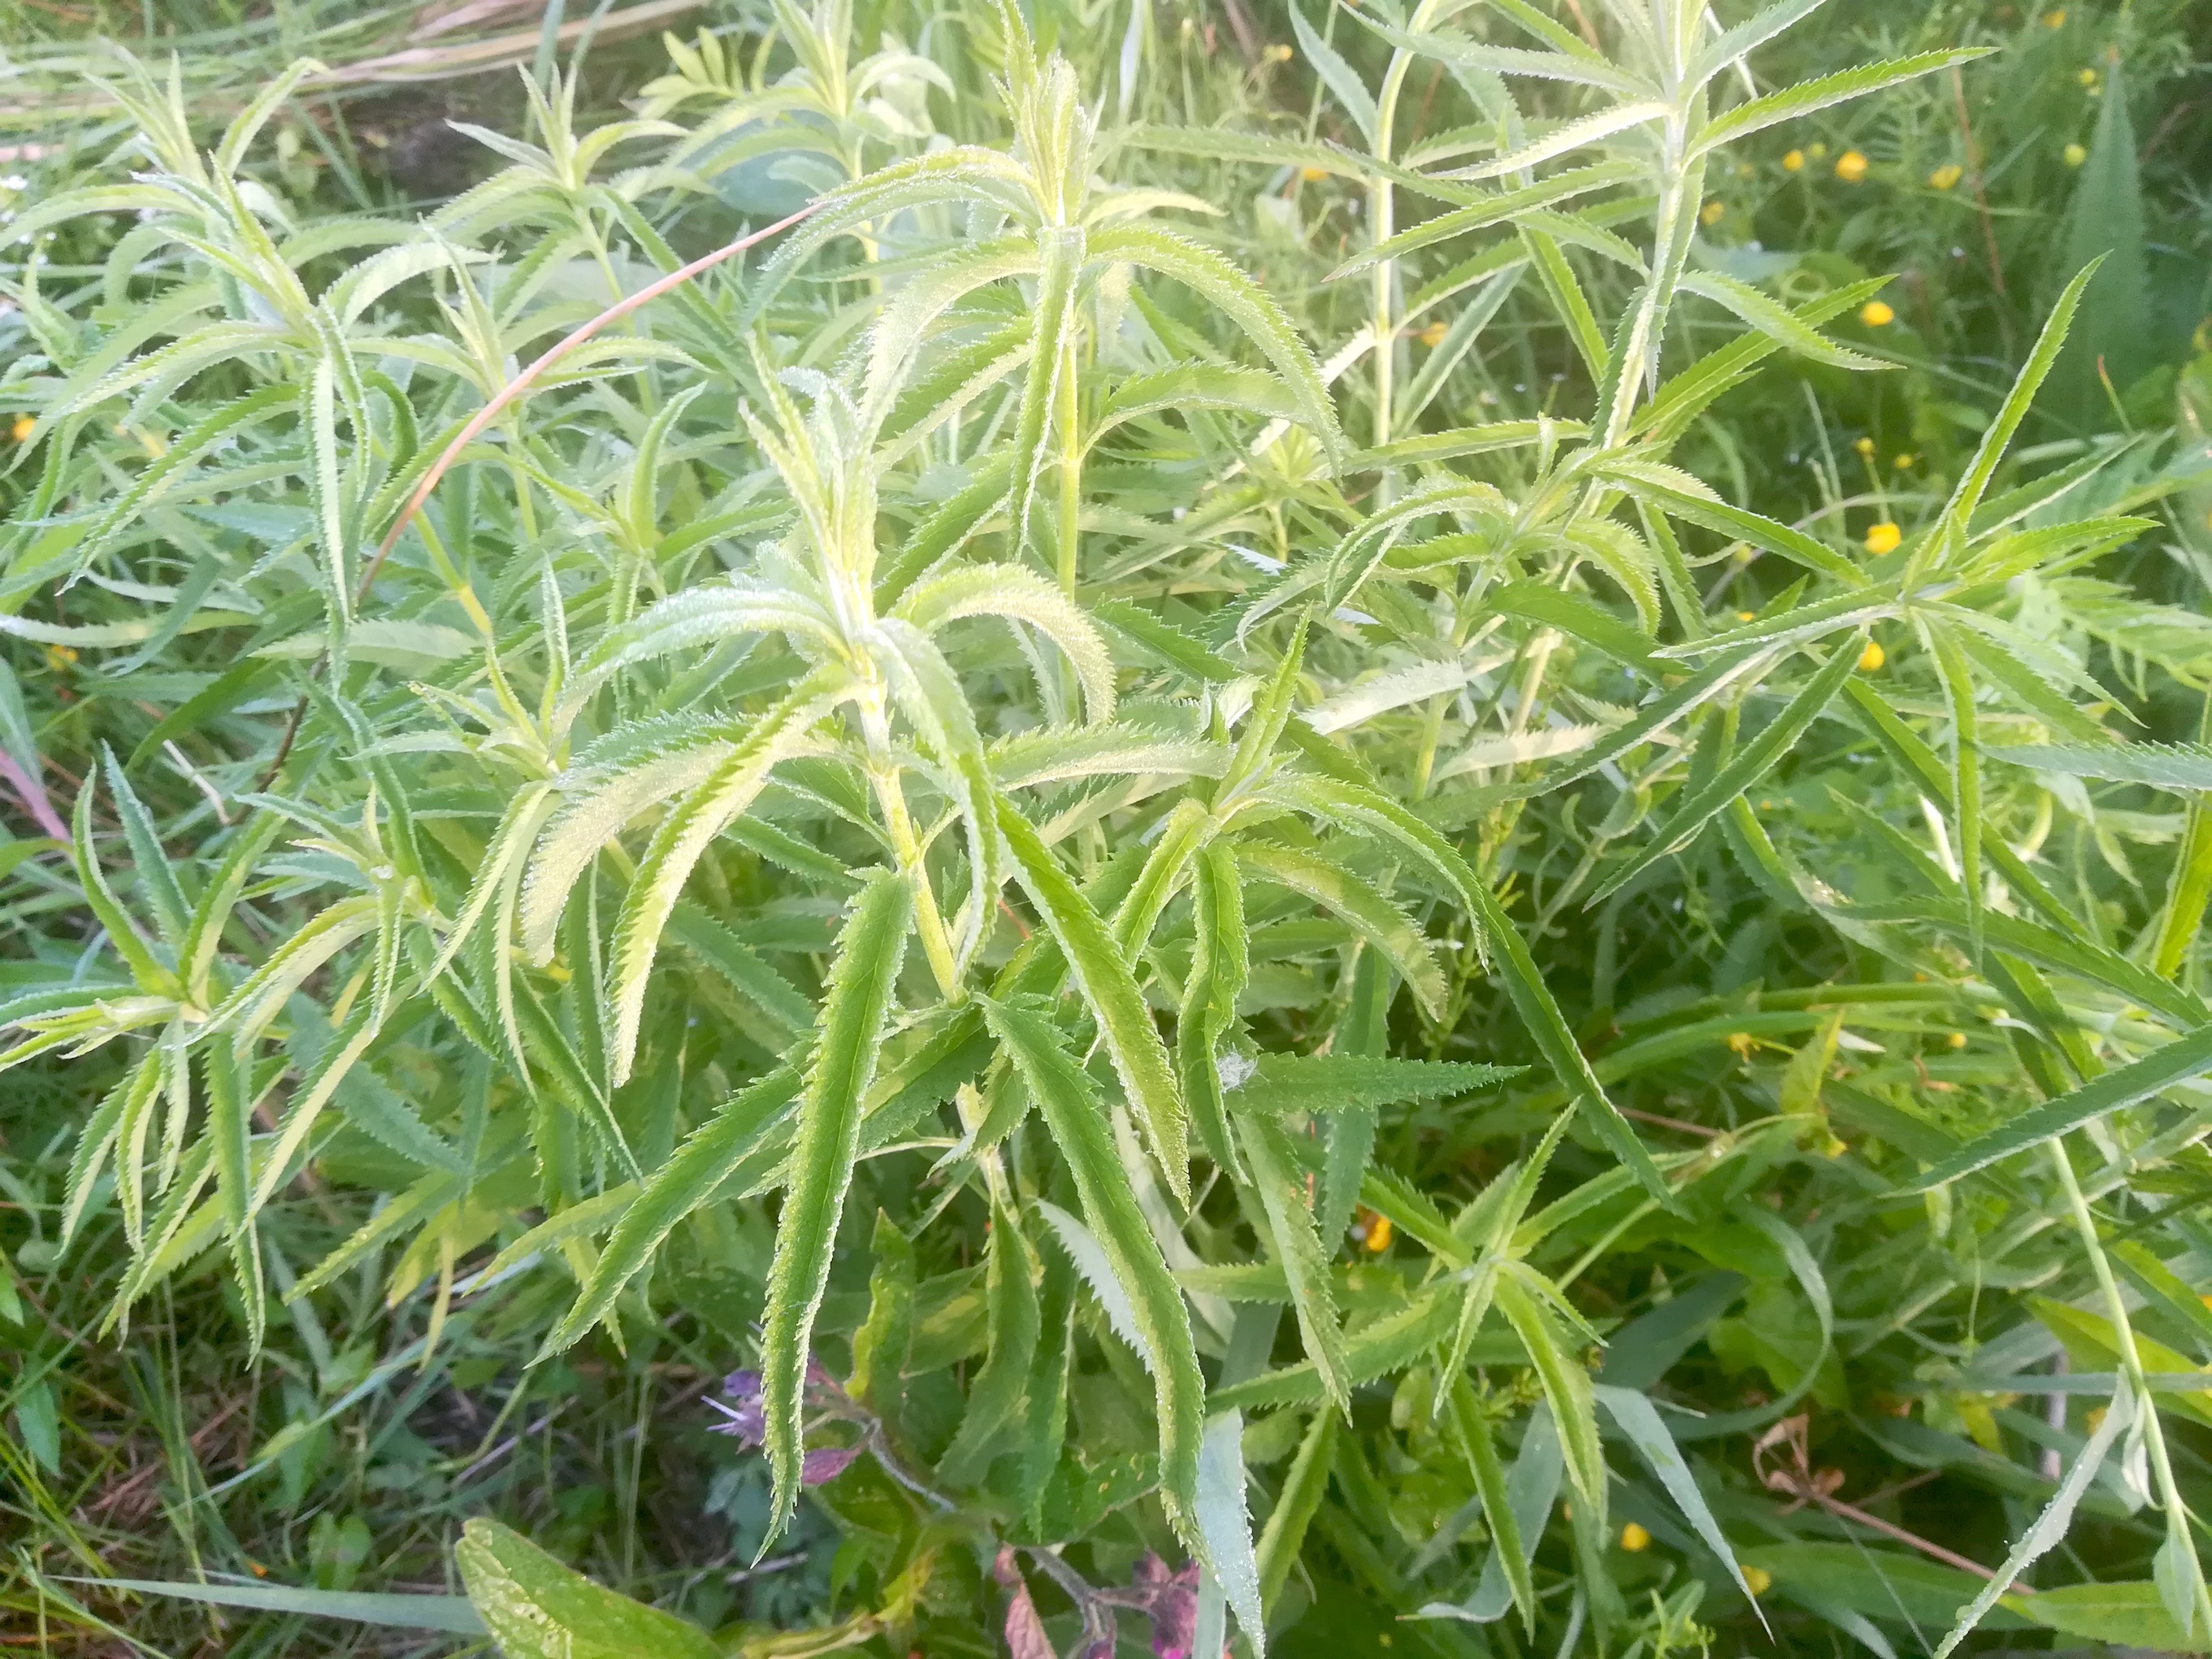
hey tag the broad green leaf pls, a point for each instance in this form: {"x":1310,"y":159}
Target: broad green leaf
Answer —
{"x":535,"y":1608}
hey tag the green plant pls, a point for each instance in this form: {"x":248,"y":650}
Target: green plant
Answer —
{"x":995,"y":569}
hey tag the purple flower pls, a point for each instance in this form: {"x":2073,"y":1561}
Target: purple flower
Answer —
{"x":824,"y":1464}
{"x":746,"y":1420}
{"x":1171,"y":1602}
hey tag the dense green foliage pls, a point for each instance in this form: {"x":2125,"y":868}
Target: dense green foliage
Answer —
{"x":1331,"y":828}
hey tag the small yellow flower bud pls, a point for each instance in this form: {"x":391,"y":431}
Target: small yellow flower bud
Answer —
{"x":1758,"y":1580}
{"x":2088,"y":77}
{"x":1851,"y":166}
{"x":1313,"y":175}
{"x":1905,"y":463}
{"x":2055,"y":18}
{"x":1865,"y":446}
{"x":2075,"y":155}
{"x":1747,"y":616}
{"x":1634,"y":1539}
{"x":1743,"y":1043}
{"x":1883,"y":538}
{"x":1793,"y":162}
{"x":1946,"y":176}
{"x":1277,"y":53}
{"x":1817,"y":151}
{"x":22,"y":429}
{"x":1876,"y":313}
{"x":1957,"y":1039}
{"x":1713,"y":212}
{"x":61,"y":657}
{"x":1433,"y":335}
{"x":1872,"y":658}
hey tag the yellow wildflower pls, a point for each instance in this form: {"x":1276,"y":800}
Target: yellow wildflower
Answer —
{"x":1816,"y":151}
{"x":1743,"y":1043}
{"x":1873,"y":657}
{"x":1957,"y":1039}
{"x":2088,"y":77}
{"x":1794,"y":161}
{"x":1851,"y":166}
{"x":1313,"y":175}
{"x":1277,"y":53}
{"x":1713,"y":212}
{"x":1747,"y":616}
{"x":1883,"y":538}
{"x":22,"y":429}
{"x":1634,"y":1539}
{"x":1865,"y":446}
{"x":1758,"y":1580}
{"x":2055,"y":18}
{"x":1433,"y":335}
{"x":1946,"y":176}
{"x":1905,"y":463}
{"x":1876,"y":313}
{"x":2075,"y":155}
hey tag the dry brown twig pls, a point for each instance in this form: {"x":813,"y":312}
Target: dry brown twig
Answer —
{"x":1803,"y":1485}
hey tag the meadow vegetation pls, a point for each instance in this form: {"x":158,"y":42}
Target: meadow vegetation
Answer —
{"x":939,"y":827}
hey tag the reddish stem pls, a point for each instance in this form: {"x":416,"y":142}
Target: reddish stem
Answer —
{"x":522,"y":382}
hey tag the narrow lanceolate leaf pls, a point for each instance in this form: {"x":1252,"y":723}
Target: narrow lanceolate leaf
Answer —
{"x":1974,"y":483}
{"x":1506,"y":205}
{"x":1357,"y":808}
{"x":870,"y":948}
{"x":2182,"y":767}
{"x":1077,"y":1123}
{"x":1567,"y":1385}
{"x":2177,"y":1061}
{"x":687,"y":1179}
{"x":1221,"y":965}
{"x":1061,"y":251}
{"x":1301,"y":1496}
{"x":1291,"y":1084}
{"x":1490,"y":1486}
{"x":682,"y":840}
{"x":1381,"y":923}
{"x":1817,"y":95}
{"x":1757,"y":759}
{"x":1775,"y":320}
{"x":2050,"y":1528}
{"x":1282,"y":1187}
{"x":1103,"y":976}
{"x":994,"y":1398}
{"x":1226,"y":1527}
{"x":1641,"y":1422}
{"x":1263,"y":321}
